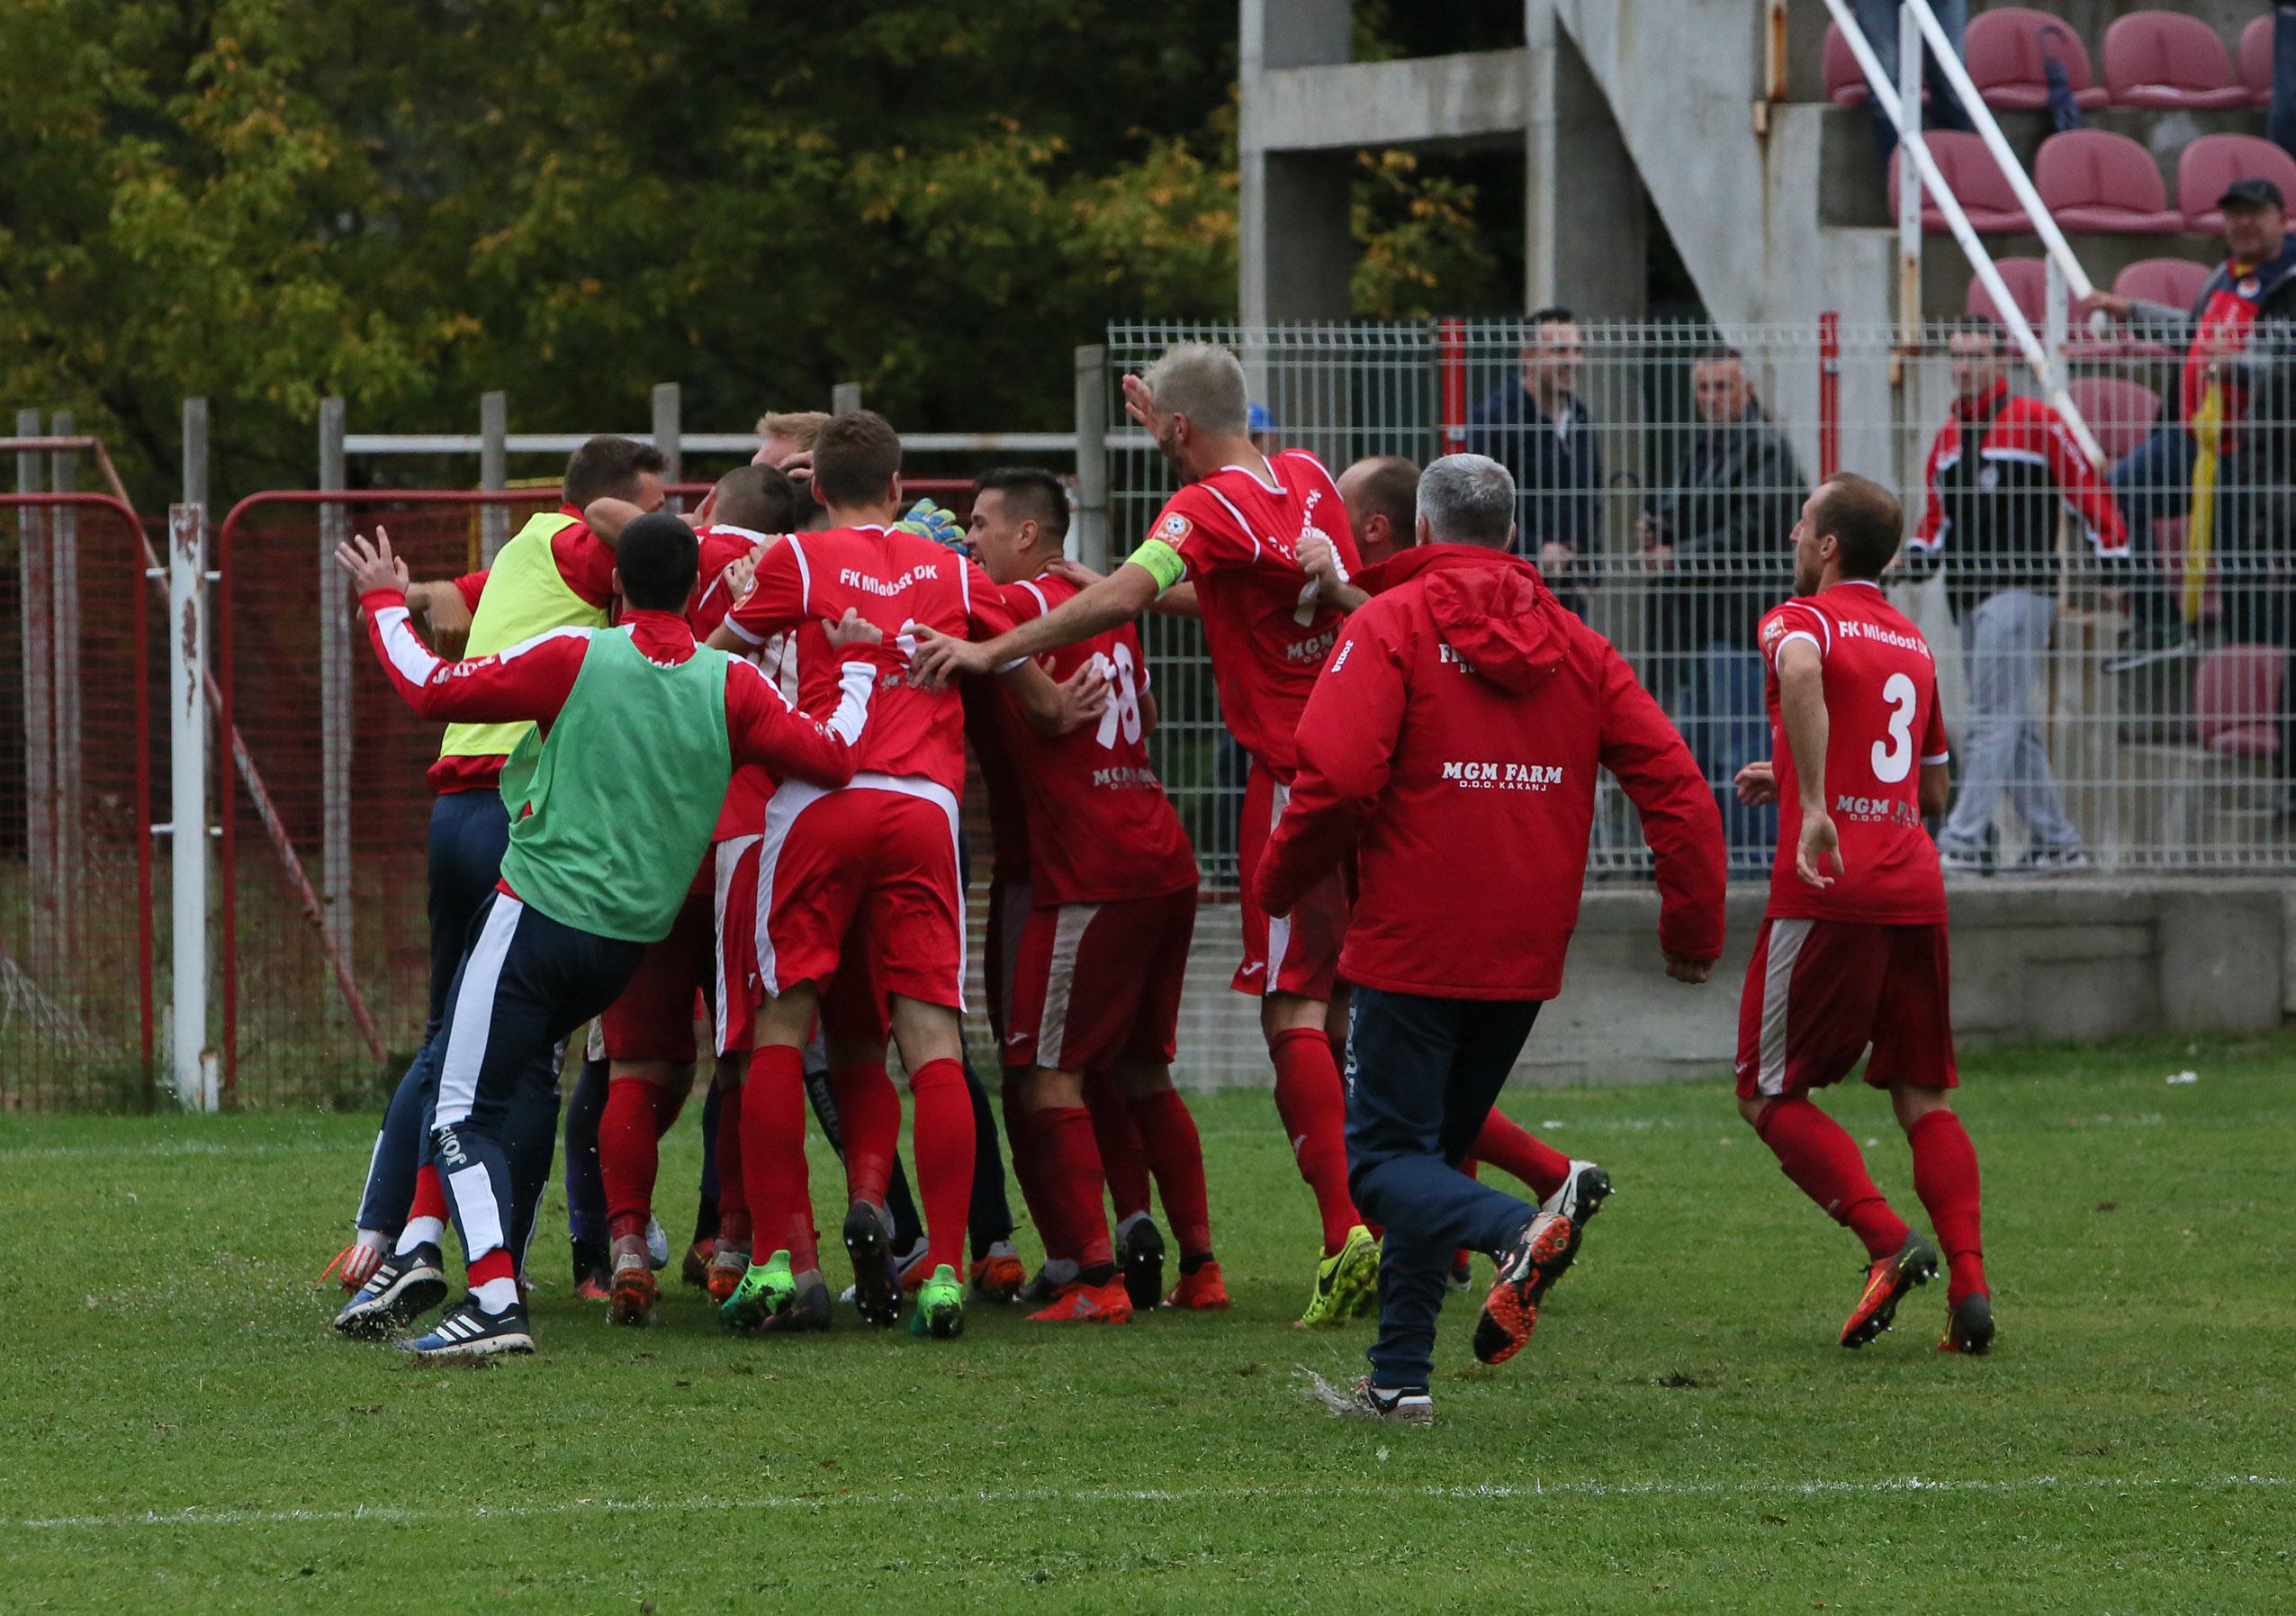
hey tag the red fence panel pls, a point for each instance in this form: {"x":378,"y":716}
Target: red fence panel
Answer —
{"x":77,"y":758}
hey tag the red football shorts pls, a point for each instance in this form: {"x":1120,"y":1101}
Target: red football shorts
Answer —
{"x":1096,"y":983}
{"x":653,"y":1020}
{"x":1819,"y":991}
{"x":1298,"y":953}
{"x":738,"y":994}
{"x":1008,"y":916}
{"x":868,"y":871}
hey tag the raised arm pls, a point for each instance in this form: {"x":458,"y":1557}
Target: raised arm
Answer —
{"x":529,"y":681}
{"x":1116,"y":599}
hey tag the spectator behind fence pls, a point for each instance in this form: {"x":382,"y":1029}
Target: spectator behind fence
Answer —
{"x":1999,"y":470}
{"x":1716,"y":546}
{"x":1536,"y":426}
{"x":2239,"y":342}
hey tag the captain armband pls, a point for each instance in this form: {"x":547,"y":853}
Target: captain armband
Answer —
{"x":1161,"y":562}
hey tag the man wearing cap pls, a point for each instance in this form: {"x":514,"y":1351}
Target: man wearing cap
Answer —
{"x":2235,"y":373}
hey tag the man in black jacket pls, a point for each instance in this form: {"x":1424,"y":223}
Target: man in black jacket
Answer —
{"x":1535,"y":425}
{"x":1717,"y":544}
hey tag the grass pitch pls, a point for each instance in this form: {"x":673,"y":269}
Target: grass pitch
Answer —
{"x":183,"y":1433}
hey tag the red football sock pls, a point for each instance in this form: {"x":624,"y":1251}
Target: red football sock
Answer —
{"x":1122,"y":1156}
{"x":430,"y":1195}
{"x":775,"y":1182}
{"x":1826,"y":1165}
{"x":1945,"y":1176}
{"x":1512,"y":1147}
{"x":1174,"y":1155}
{"x":943,"y":1141}
{"x":868,"y":1119}
{"x":1314,"y":1109}
{"x":732,"y":1197}
{"x":495,"y":1264}
{"x":1075,"y":1179}
{"x":629,"y":1155}
{"x":1055,"y":1225}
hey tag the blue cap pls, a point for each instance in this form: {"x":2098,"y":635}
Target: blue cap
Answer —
{"x":1258,"y":419}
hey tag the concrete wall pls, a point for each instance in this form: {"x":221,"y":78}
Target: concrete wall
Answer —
{"x":2032,"y":959}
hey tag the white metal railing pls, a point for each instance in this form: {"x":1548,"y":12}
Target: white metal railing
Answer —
{"x":1902,"y":102}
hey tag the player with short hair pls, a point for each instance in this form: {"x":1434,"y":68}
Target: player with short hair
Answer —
{"x":637,"y":732}
{"x":1095,"y":975}
{"x":553,"y":572}
{"x":865,"y":873}
{"x":1235,"y":529}
{"x":1856,"y":955}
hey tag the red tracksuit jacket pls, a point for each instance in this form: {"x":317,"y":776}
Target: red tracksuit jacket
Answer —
{"x":1450,"y":743}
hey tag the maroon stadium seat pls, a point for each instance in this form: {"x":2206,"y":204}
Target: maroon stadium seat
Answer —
{"x":2168,"y":58}
{"x":2120,"y":414}
{"x":2091,"y":179}
{"x":1844,"y":85}
{"x":2176,"y":282}
{"x":1976,"y":180}
{"x":2235,"y":699}
{"x":2003,"y":51}
{"x":2213,"y":162}
{"x":2256,"y":60}
{"x":2028,"y":281}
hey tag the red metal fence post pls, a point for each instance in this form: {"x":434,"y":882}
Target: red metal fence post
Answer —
{"x":1829,"y":394}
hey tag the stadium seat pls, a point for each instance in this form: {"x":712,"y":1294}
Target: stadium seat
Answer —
{"x":2176,"y":282}
{"x":2028,"y":280}
{"x":1975,"y":179}
{"x":1844,"y":85}
{"x":2235,"y":699}
{"x":2213,"y":162}
{"x":2166,"y":59}
{"x":2091,"y":179}
{"x":2003,"y":51}
{"x":2120,"y":414}
{"x":2256,"y":60}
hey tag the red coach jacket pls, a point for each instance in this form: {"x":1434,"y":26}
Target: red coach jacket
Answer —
{"x":1451,"y":745}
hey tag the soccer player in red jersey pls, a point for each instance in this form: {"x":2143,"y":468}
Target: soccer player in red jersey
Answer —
{"x":1852,"y":950}
{"x":869,"y":871}
{"x":1101,"y":958}
{"x":1234,"y":530}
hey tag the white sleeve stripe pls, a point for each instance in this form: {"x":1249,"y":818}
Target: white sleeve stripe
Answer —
{"x":855,"y":680}
{"x":1787,"y":638}
{"x":741,"y":633}
{"x":804,"y":574}
{"x":735,"y":672}
{"x":1042,"y":604}
{"x":511,"y":651}
{"x":965,"y":583}
{"x":408,"y":653}
{"x":1942,"y":757}
{"x":1242,"y":525}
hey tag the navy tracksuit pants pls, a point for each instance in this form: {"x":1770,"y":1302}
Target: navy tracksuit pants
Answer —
{"x":526,"y":983}
{"x":469,"y":831}
{"x":1422,"y":1076}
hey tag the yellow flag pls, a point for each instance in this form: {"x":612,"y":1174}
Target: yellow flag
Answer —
{"x":2208,"y":429}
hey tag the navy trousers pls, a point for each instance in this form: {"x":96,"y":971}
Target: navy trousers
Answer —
{"x":526,"y":983}
{"x":1422,"y":1076}
{"x":469,"y":831}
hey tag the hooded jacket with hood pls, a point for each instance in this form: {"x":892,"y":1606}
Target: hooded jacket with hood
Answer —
{"x":1451,"y":745}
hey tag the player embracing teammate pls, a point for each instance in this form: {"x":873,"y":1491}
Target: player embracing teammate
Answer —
{"x":1852,"y":950}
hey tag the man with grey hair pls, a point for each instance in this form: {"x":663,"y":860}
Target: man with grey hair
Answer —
{"x":1236,"y":529}
{"x":1465,"y":708}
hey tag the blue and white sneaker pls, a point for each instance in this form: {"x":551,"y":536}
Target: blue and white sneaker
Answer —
{"x":469,"y":1331}
{"x":406,"y":1286}
{"x":657,"y":1244}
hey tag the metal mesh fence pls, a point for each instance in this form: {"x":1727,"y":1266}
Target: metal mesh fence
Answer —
{"x":77,"y":758}
{"x":2112,"y":641}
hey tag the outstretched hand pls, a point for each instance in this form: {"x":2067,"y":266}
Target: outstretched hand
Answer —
{"x":1083,"y":696}
{"x":1139,"y":404}
{"x":371,"y":564}
{"x":1757,"y":783}
{"x":1819,"y":840}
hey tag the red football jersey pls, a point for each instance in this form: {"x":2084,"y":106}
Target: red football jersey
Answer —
{"x":1883,"y":723}
{"x":894,"y":580}
{"x":743,"y":814}
{"x":1100,"y":827}
{"x":1267,"y":633}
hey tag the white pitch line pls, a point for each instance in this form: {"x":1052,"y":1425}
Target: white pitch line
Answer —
{"x":399,"y":1514}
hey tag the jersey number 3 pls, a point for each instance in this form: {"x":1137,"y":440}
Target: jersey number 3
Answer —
{"x":1894,"y":758}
